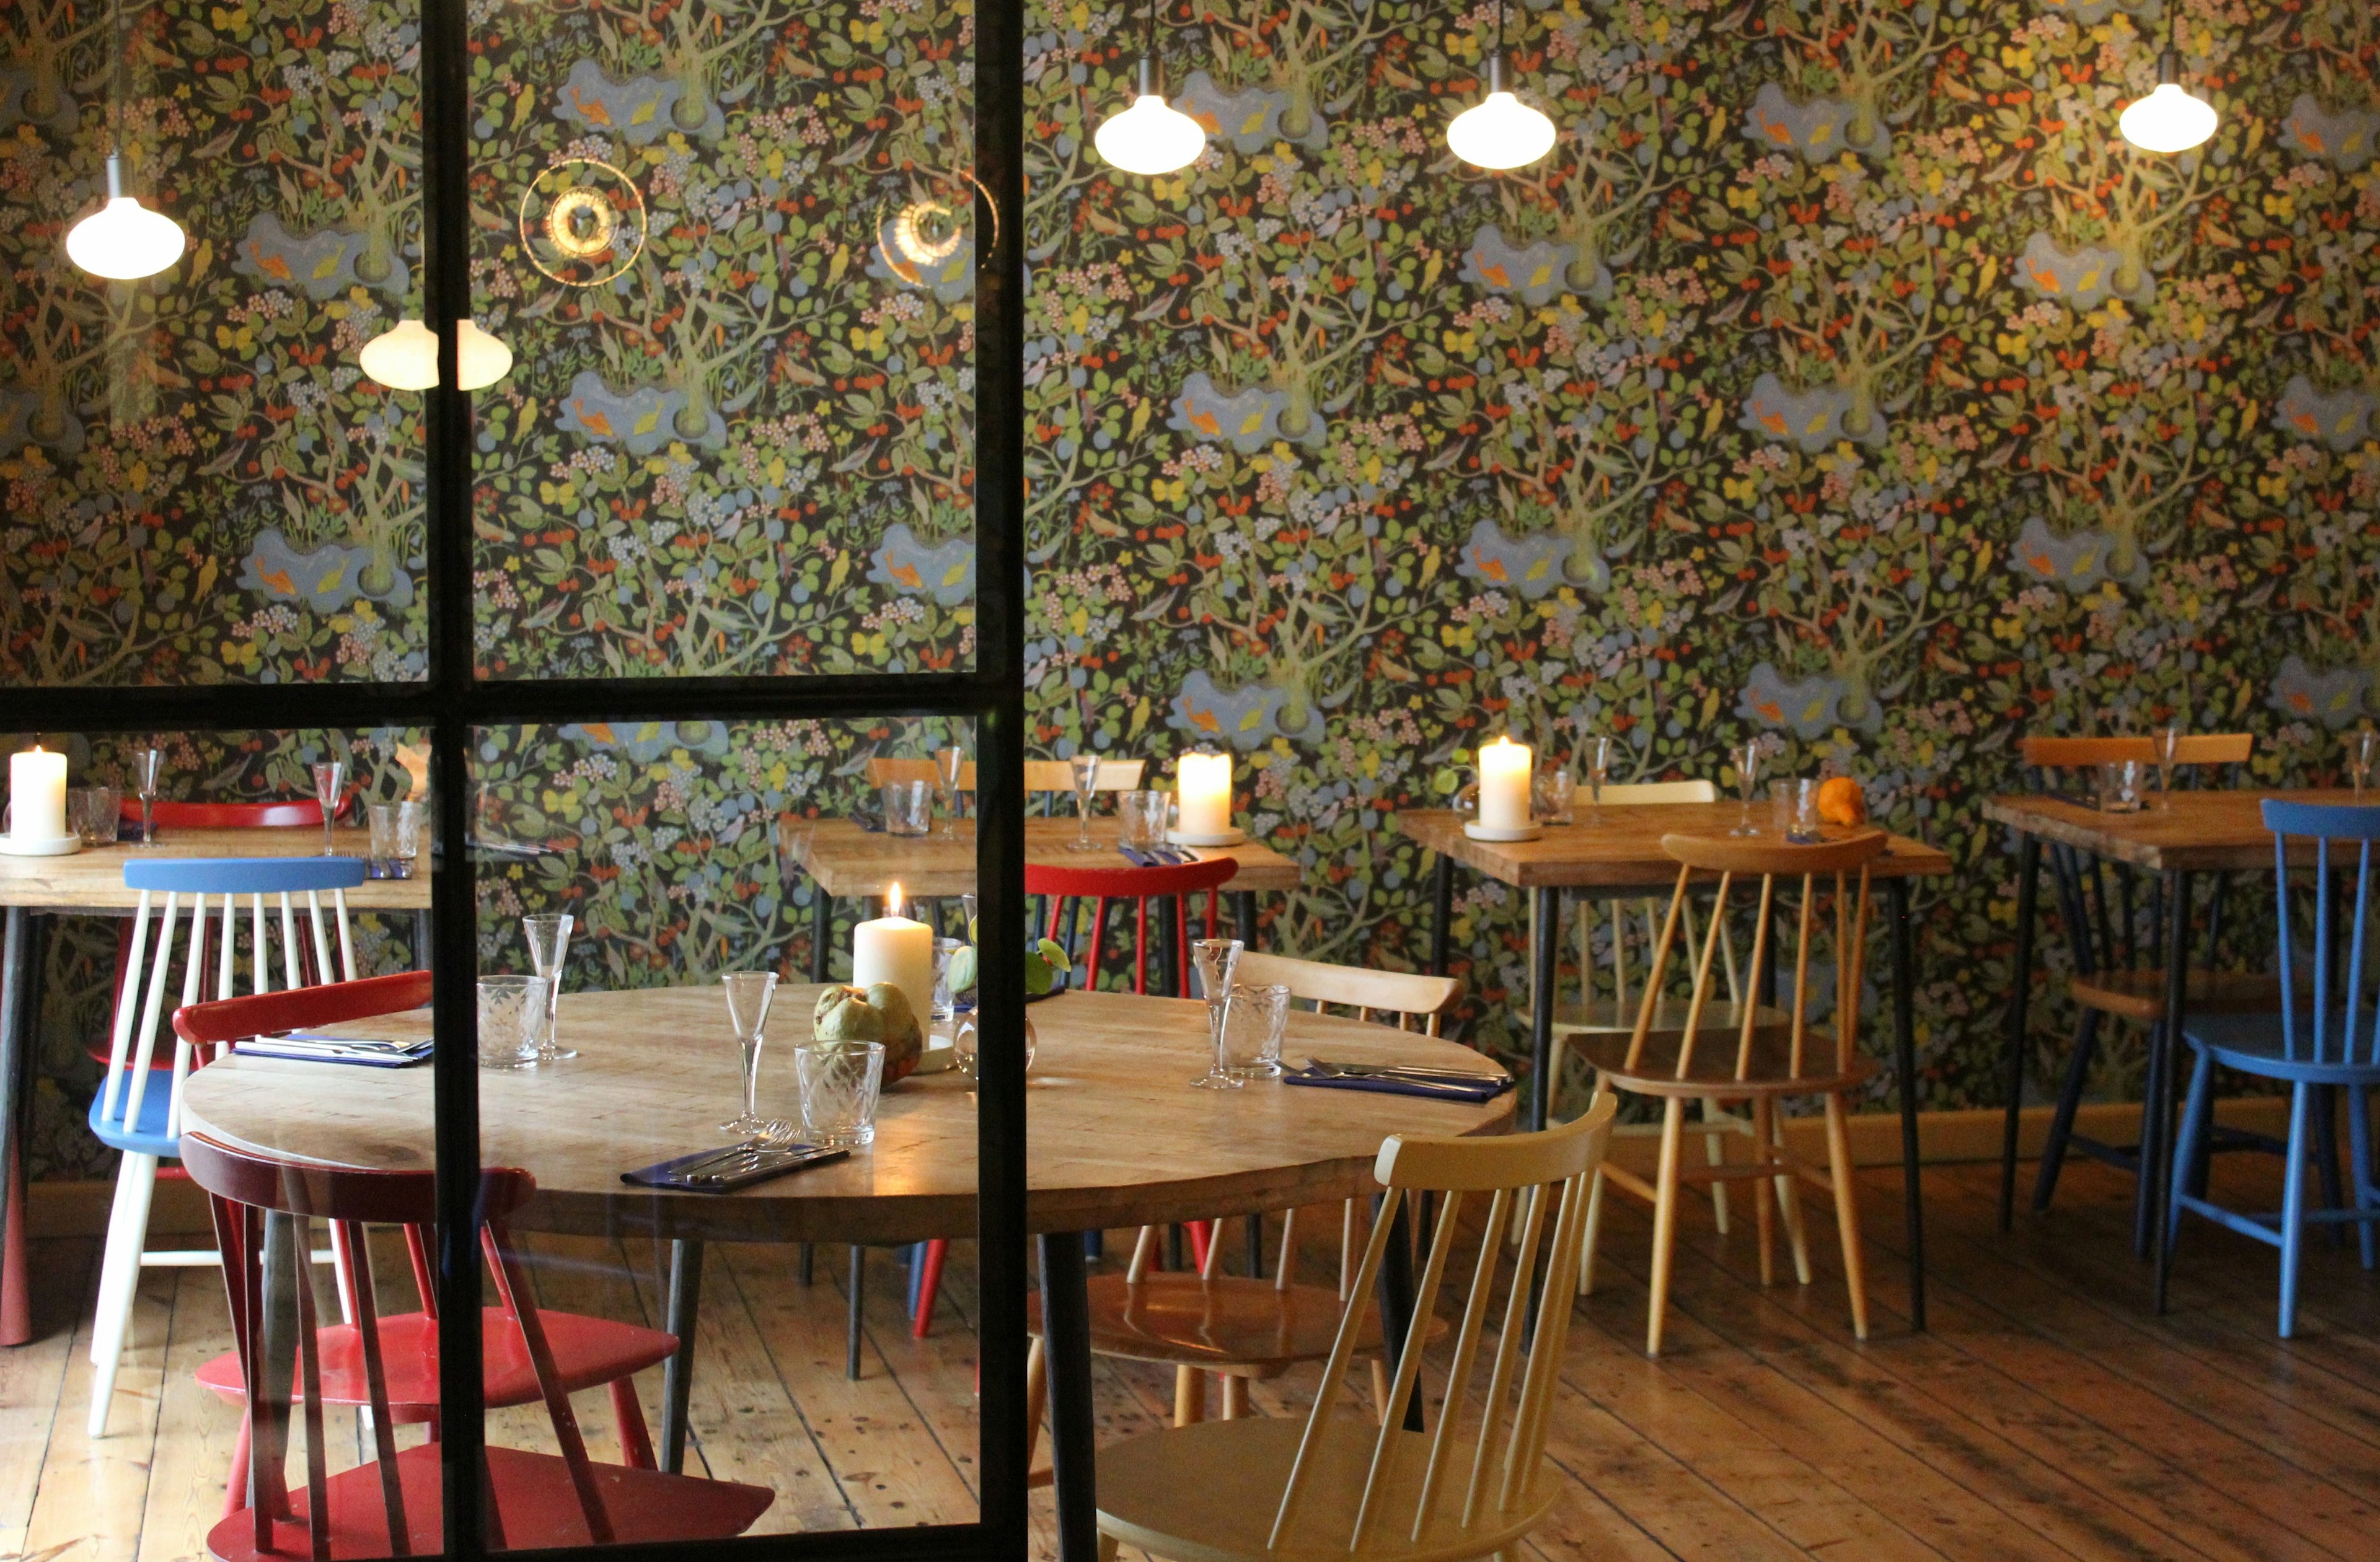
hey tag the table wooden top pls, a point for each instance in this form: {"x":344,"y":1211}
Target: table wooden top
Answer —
{"x":1622,"y":848}
{"x":93,"y":879}
{"x":846,"y":860}
{"x":1117,"y":1135}
{"x":2213,"y":830}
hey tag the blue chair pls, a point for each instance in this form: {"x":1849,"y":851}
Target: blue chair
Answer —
{"x":140,"y":1112}
{"x":2317,"y":1044}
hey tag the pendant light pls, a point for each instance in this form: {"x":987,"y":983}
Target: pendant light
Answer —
{"x":1151,"y":137}
{"x":1499,"y":131}
{"x":2172,"y":118}
{"x":405,"y":357}
{"x":124,"y":240}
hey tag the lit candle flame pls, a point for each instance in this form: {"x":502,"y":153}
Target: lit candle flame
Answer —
{"x":893,"y":899}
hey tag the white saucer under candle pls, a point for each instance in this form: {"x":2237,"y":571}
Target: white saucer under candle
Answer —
{"x":1478,"y":832}
{"x":1204,"y":838}
{"x":59,"y":846}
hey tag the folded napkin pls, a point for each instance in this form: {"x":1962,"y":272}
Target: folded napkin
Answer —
{"x":705,"y":1173}
{"x":1432,"y":1086}
{"x":369,"y":1051}
{"x":1156,"y":856}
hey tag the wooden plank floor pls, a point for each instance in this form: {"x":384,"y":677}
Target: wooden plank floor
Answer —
{"x":2045,"y":1415}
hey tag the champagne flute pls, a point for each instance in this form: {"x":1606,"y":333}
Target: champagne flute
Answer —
{"x":748,"y":993}
{"x":949,"y":764}
{"x":549,"y":941}
{"x":148,"y":770}
{"x":1087,"y":782}
{"x":2169,"y":749}
{"x":328,"y":775}
{"x":1594,"y":758}
{"x":1746,"y":755}
{"x":2363,"y":754}
{"x":1217,"y":960}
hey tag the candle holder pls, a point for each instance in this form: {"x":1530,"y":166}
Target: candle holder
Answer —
{"x":1478,"y":832}
{"x":63,"y":846}
{"x":1225,"y":837}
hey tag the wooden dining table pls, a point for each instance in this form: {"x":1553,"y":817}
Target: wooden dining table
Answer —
{"x":91,"y":883}
{"x":1614,"y":854}
{"x":2180,"y":837}
{"x":1116,"y":1137}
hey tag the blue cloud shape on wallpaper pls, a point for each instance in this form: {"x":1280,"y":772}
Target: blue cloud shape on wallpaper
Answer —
{"x":2345,"y":139}
{"x":323,"y":263}
{"x":21,"y":420}
{"x":1530,"y":565}
{"x":640,"y":109}
{"x":1247,"y":420}
{"x":1813,"y":127}
{"x":2334,"y":698}
{"x":2076,"y":562}
{"x":2341,"y":420}
{"x":1245,"y":718}
{"x":1809,"y":705}
{"x":648,"y":741}
{"x":1249,"y":118}
{"x":644,"y":419}
{"x":1536,"y":272}
{"x":325,"y":578}
{"x":2081,"y":276}
{"x":944,"y":571}
{"x":17,"y":88}
{"x":1811,"y":419}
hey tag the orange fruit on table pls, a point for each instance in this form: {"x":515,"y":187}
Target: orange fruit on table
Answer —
{"x":1842,"y":802}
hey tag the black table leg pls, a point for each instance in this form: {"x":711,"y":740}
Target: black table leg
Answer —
{"x":677,"y":1372}
{"x":2028,"y":884}
{"x":1255,"y":1246}
{"x":2164,"y":1051}
{"x":1169,"y":939}
{"x":821,"y":931}
{"x":16,"y":1049}
{"x":1904,"y":1063}
{"x":421,"y":937}
{"x":1396,"y":1293}
{"x":1244,"y":916}
{"x":1541,"y":1007}
{"x":858,"y":1298}
{"x":1066,"y":1341}
{"x":1442,"y":906}
{"x":808,"y":1268}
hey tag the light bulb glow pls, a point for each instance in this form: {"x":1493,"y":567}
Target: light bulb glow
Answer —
{"x":484,"y":357}
{"x":123,"y":241}
{"x":2169,"y":120}
{"x":1151,"y":138}
{"x":1499,"y":131}
{"x":405,"y":357}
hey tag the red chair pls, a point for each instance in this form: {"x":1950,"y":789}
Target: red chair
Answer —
{"x":581,"y":1353}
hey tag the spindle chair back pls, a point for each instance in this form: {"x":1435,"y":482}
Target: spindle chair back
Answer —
{"x":1048,"y":780}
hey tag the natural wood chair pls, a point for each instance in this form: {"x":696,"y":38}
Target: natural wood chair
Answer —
{"x":1055,"y":777}
{"x":1762,"y":1064}
{"x":884,"y":769}
{"x":1367,"y":1491}
{"x":2114,"y":977}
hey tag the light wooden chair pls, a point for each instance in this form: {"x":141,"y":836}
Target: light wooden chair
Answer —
{"x":1762,"y":1064}
{"x":1053,"y":779}
{"x":883,"y":769}
{"x":1364,"y":1490}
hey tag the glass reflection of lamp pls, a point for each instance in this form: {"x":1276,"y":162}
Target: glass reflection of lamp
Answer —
{"x":2172,"y":118}
{"x":1499,"y":131}
{"x":1151,"y":137}
{"x":405,"y":357}
{"x":124,"y":240}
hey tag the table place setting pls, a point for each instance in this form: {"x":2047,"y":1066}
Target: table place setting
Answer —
{"x":371,"y":1052}
{"x":1401,"y":1079}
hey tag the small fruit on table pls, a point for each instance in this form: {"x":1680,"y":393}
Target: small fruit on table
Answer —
{"x":1842,"y":802}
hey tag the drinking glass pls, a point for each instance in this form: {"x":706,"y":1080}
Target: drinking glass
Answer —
{"x":328,"y":775}
{"x":1802,"y":828}
{"x":549,"y":941}
{"x":2169,"y":749}
{"x":945,"y":1003}
{"x":1549,"y":795}
{"x":1781,"y":807}
{"x":147,"y":772}
{"x":794,"y":834}
{"x":839,"y":1082}
{"x":949,"y":764}
{"x":396,"y":840}
{"x":512,"y":1021}
{"x":1746,"y":755}
{"x":1087,"y":782}
{"x":909,"y":807}
{"x":966,"y":1038}
{"x":1217,"y":959}
{"x":1594,"y":758}
{"x":748,"y":993}
{"x":1253,"y":1024}
{"x":2363,"y":755}
{"x":95,"y":813}
{"x":2121,"y":782}
{"x":1143,"y":817}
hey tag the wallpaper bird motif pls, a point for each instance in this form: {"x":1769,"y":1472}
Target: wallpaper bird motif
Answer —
{"x":1840,"y":379}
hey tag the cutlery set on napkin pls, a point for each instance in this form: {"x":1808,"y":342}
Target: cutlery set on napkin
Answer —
{"x":738,"y":1166}
{"x":1401,"y":1078}
{"x":373,"y":1052}
{"x":1157,"y":856}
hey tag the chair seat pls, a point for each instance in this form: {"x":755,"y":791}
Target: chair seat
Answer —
{"x":1210,"y":1489}
{"x":587,"y":1353}
{"x":534,"y":1501}
{"x":2252,"y":1044}
{"x":1228,"y":1323}
{"x":1713,"y":1074}
{"x":147,"y":1136}
{"x":2139,"y":995}
{"x":1605,"y":1014}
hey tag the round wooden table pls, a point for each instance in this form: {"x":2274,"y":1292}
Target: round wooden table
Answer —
{"x":1116,"y":1137}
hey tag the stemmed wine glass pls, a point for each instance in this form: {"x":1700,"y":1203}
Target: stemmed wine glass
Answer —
{"x":1746,"y":755}
{"x":2169,"y":749}
{"x":1594,"y":758}
{"x":148,"y":770}
{"x":1087,"y":782}
{"x":328,"y":775}
{"x":549,"y":941}
{"x":2363,"y":754}
{"x":1218,"y":959}
{"x":748,"y":993}
{"x":950,"y":763}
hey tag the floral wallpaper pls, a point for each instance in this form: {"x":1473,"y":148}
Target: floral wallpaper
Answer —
{"x":1840,"y":379}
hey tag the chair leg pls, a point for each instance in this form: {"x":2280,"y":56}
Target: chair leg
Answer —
{"x":930,"y":1285}
{"x":236,"y":1486}
{"x":2198,"y":1109}
{"x":1108,"y":1546}
{"x":1036,"y":1394}
{"x":1665,"y":1220}
{"x":2069,"y":1101}
{"x":635,"y":1443}
{"x":2326,"y":1149}
{"x":1763,"y":1215}
{"x":119,"y":1280}
{"x":1594,"y":1226}
{"x":2293,"y":1202}
{"x":1715,"y":1151}
{"x":2359,"y":1172}
{"x":1788,"y":1199}
{"x":1840,"y":1172}
{"x":1380,"y":1386}
{"x":1189,"y":1396}
{"x":1235,"y":1396}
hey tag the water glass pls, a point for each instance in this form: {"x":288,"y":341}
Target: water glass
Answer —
{"x":2363,"y":755}
{"x":1549,"y":795}
{"x":2121,"y":783}
{"x":1595,"y":760}
{"x":396,"y":840}
{"x":1216,"y":959}
{"x":945,"y":1003}
{"x":840,"y":1082}
{"x":748,"y":993}
{"x":513,"y":1014}
{"x":1254,"y":1022}
{"x":148,"y":775}
{"x":1086,"y":784}
{"x":549,"y":941}
{"x":909,"y":807}
{"x":1746,"y":757}
{"x":967,"y":1037}
{"x":329,"y":776}
{"x":2168,"y":750}
{"x":94,"y":814}
{"x":950,"y":767}
{"x":1799,"y":818}
{"x":1143,"y":814}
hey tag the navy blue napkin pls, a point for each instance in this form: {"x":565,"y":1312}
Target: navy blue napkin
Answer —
{"x":1488,"y":1089}
{"x":672,"y":1173}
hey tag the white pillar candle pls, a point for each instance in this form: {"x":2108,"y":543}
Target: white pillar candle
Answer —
{"x":896,"y":951}
{"x":37,"y":790}
{"x":1504,"y":785}
{"x":1203,"y":784}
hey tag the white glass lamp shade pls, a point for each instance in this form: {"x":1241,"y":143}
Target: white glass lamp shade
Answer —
{"x":2169,"y":119}
{"x":405,"y":357}
{"x":1500,"y":131}
{"x":1151,"y":137}
{"x":124,"y":240}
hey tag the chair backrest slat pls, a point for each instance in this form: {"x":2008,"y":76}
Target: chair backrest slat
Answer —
{"x":1058,"y":775}
{"x":2337,"y":936}
{"x":2195,"y":748}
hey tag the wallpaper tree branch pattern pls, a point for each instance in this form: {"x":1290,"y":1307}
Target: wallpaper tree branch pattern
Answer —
{"x":1842,"y":378}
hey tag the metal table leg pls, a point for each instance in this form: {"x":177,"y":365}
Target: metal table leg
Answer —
{"x":1244,"y":916}
{"x":2164,"y":1051}
{"x":1544,"y":960}
{"x":2028,"y":884}
{"x":1442,"y":906}
{"x":1904,"y":1063}
{"x":16,"y":1056}
{"x":1066,"y":1341}
{"x":677,"y":1372}
{"x":821,"y":930}
{"x":1396,"y":1294}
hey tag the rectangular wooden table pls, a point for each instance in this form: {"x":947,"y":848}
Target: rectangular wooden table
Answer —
{"x":2181,"y":835}
{"x":1618,"y":854}
{"x":91,"y":882}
